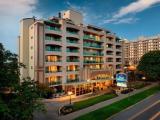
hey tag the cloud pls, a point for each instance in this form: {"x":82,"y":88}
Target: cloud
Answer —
{"x":11,"y":12}
{"x":134,"y":7}
{"x":126,"y":20}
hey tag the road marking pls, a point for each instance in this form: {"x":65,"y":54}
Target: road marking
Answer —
{"x":136,"y":115}
{"x":155,"y":116}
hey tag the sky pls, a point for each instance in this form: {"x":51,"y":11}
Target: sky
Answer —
{"x":129,"y":19}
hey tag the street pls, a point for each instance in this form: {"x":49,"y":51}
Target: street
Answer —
{"x":148,"y":109}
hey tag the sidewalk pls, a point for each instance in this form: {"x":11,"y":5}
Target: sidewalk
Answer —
{"x":76,"y":114}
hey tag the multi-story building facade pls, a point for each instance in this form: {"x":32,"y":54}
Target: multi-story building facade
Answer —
{"x":65,"y":54}
{"x":134,"y":50}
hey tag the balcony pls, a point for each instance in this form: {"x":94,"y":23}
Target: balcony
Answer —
{"x":72,"y":51}
{"x":54,"y":50}
{"x":72,"y":41}
{"x":92,"y":54}
{"x":93,"y":46}
{"x":72,"y":60}
{"x":92,"y":62}
{"x":73,"y":70}
{"x":72,"y":80}
{"x":72,"y":32}
{"x":55,"y":82}
{"x":92,"y":38}
{"x":52,"y":39}
{"x":52,"y":30}
{"x":109,"y":53}
{"x":109,"y":60}
{"x":47,"y":71}
{"x":52,"y":22}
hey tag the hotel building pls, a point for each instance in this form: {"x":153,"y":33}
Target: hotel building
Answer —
{"x":68,"y":55}
{"x":134,"y":50}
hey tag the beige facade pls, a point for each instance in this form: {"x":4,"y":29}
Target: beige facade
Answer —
{"x":134,"y":50}
{"x":62,"y":52}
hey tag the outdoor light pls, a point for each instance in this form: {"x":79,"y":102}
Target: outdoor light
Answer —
{"x":70,"y":93}
{"x":143,"y":78}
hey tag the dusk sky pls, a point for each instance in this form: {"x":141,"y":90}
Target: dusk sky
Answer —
{"x":127,"y":18}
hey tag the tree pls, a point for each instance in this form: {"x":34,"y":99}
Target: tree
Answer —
{"x":150,"y":65}
{"x":18,"y":100}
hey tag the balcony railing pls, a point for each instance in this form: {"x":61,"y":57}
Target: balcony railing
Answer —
{"x":91,"y":38}
{"x":87,"y":61}
{"x":71,"y":32}
{"x":52,"y":39}
{"x":73,"y":70}
{"x":72,"y":41}
{"x":73,"y":60}
{"x":109,"y":53}
{"x":72,"y":80}
{"x":53,"y":60}
{"x":47,"y":71}
{"x":55,"y":49}
{"x":55,"y":82}
{"x":110,"y":61}
{"x":53,"y":28}
{"x":72,"y":51}
{"x":90,"y":45}
{"x":93,"y":54}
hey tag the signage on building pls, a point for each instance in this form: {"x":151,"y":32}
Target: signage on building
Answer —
{"x":121,"y":79}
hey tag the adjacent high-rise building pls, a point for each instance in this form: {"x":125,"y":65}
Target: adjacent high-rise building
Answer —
{"x":68,"y":55}
{"x":134,"y":50}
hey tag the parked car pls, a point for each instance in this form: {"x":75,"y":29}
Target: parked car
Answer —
{"x":126,"y":91}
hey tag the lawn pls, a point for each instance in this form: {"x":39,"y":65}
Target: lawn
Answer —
{"x":91,"y":101}
{"x":138,"y":84}
{"x":107,"y":111}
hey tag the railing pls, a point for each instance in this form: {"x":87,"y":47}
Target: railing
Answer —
{"x":93,"y":61}
{"x":74,"y":33}
{"x":110,"y":61}
{"x":92,"y":38}
{"x":76,"y":60}
{"x":72,"y":41}
{"x":89,"y":45}
{"x":56,"y":50}
{"x":73,"y":70}
{"x":53,"y":28}
{"x":94,"y":54}
{"x":73,"y":51}
{"x":52,"y":39}
{"x":53,"y":60}
{"x":72,"y":80}
{"x":53,"y":71}
{"x":55,"y":82}
{"x":109,"y":53}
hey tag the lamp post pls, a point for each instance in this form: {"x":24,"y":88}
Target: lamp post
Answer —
{"x":70,"y":93}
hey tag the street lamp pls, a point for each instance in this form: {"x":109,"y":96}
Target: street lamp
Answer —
{"x":70,"y":93}
{"x":143,"y":78}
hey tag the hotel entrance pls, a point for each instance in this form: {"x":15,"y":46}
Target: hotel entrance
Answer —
{"x":87,"y":87}
{"x":79,"y":89}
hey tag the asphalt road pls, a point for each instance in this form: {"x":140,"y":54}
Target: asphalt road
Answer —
{"x":148,"y":109}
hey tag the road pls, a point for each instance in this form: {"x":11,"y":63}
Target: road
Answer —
{"x":148,"y":109}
